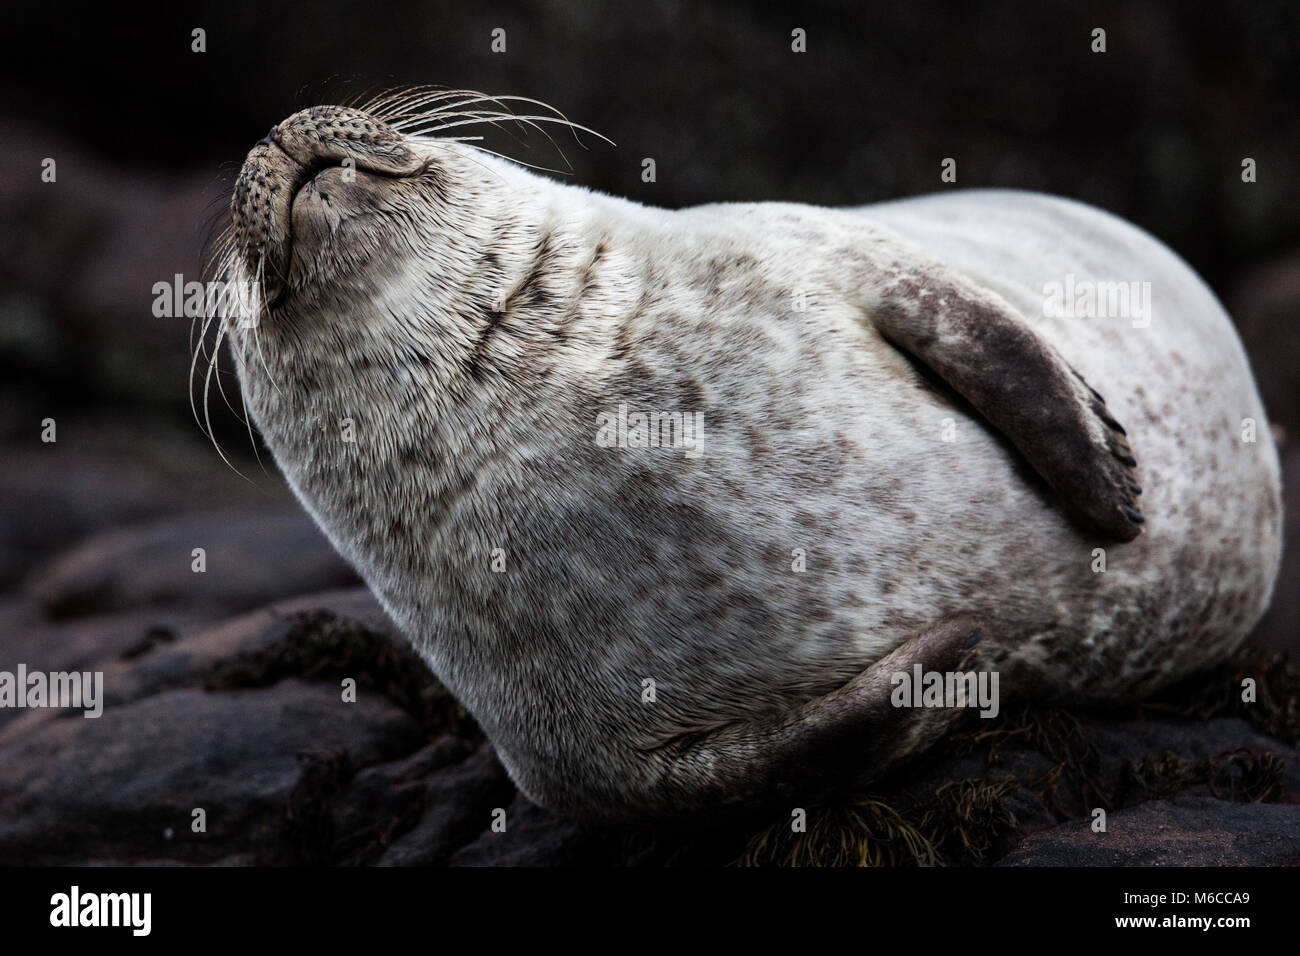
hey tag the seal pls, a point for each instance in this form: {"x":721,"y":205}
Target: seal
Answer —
{"x":671,"y":499}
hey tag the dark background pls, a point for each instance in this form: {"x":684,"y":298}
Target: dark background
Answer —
{"x":148,"y":135}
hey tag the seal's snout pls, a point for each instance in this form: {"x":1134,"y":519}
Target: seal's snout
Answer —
{"x":335,"y":134}
{"x":285,"y":160}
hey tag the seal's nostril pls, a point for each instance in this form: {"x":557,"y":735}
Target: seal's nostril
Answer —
{"x":270,"y":138}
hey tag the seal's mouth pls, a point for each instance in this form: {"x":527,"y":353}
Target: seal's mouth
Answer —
{"x":303,"y":177}
{"x":306,"y":175}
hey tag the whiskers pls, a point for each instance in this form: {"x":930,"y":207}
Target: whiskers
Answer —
{"x":227,"y":298}
{"x":426,"y":112}
{"x":235,"y":268}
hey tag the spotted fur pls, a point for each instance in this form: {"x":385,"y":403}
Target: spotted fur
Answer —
{"x":473,"y":319}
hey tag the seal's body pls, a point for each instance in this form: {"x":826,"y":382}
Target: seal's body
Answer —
{"x":876,"y":440}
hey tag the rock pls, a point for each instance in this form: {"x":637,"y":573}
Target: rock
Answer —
{"x":459,"y":804}
{"x":282,"y":629}
{"x":81,"y":643}
{"x":125,"y":785}
{"x":246,"y":720}
{"x":992,"y":787}
{"x":84,"y":644}
{"x":1186,"y":831}
{"x":536,"y":837}
{"x":250,"y":559}
{"x":104,"y":474}
{"x":1119,"y":742}
{"x":383,"y":803}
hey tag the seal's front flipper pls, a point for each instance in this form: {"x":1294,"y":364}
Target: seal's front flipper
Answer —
{"x":1023,"y":387}
{"x":828,"y":744}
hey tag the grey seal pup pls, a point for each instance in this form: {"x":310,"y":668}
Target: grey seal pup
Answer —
{"x":876,"y":441}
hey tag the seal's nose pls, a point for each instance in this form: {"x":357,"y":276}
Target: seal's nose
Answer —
{"x":271,"y":138}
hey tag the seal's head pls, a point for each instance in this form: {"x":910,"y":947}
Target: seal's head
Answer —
{"x":315,"y":195}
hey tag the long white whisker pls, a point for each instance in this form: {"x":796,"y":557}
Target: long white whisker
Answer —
{"x":260,"y":280}
{"x":535,"y":119}
{"x":218,"y":309}
{"x":493,"y":152}
{"x":558,"y":118}
{"x":425,"y":123}
{"x":207,"y":379}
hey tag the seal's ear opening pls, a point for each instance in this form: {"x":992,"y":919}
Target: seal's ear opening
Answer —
{"x":973,"y":341}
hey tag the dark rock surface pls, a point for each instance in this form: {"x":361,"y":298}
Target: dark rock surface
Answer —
{"x":248,"y":560}
{"x":77,"y":269}
{"x":117,"y":786}
{"x":1187,"y":831}
{"x":247,"y":721}
{"x":109,"y":472}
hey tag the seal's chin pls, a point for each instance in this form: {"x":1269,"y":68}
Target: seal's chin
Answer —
{"x":320,"y":200}
{"x":339,"y":218}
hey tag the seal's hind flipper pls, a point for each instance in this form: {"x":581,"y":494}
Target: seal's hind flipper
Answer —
{"x":829,"y":744}
{"x":1023,"y":387}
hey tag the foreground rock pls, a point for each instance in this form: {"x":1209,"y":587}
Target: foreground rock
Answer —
{"x":247,"y":560}
{"x":106,"y":473}
{"x":1187,"y":831}
{"x":248,"y":722}
{"x":129,"y":785}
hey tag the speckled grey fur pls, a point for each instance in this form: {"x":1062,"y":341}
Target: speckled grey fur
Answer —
{"x":476,"y":430}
